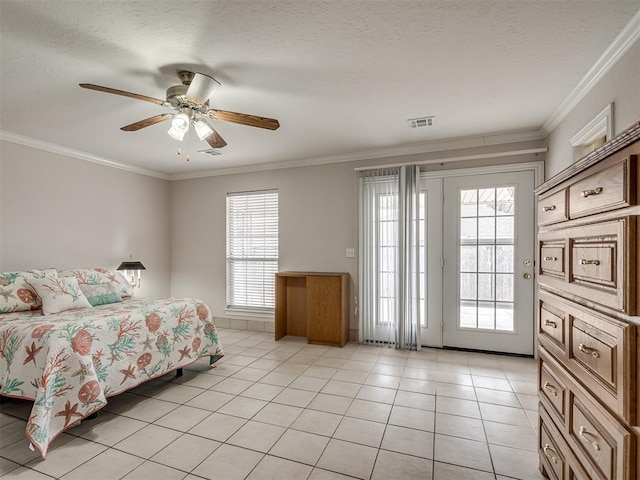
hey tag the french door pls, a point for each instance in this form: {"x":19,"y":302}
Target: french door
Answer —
{"x":474,"y":283}
{"x":488,"y":254}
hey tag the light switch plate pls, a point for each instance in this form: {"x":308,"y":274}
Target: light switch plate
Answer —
{"x":351,"y":252}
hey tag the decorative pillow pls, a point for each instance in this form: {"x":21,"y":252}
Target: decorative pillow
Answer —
{"x":98,"y":275}
{"x":85,"y":276}
{"x":117,"y":277}
{"x":101,"y":294}
{"x":59,"y":294}
{"x":16,"y":293}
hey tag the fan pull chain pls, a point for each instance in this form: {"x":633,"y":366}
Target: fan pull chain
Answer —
{"x":188,"y":143}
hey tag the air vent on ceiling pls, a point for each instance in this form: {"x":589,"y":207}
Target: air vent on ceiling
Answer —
{"x":420,"y":122}
{"x":212,"y":151}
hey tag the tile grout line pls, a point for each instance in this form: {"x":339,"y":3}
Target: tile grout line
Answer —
{"x":377,"y":368}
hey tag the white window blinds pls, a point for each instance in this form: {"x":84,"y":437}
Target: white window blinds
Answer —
{"x":252,"y":249}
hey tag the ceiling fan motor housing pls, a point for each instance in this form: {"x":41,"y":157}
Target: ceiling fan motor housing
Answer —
{"x":177,"y":96}
{"x":186,"y":77}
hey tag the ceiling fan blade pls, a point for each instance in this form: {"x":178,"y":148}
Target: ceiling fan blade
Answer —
{"x":201,"y":88}
{"x":147,"y":122}
{"x":244,"y":119}
{"x":214,"y":139}
{"x":91,"y":86}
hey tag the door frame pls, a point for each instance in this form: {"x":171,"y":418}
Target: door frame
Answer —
{"x":431,"y":332}
{"x":538,"y":177}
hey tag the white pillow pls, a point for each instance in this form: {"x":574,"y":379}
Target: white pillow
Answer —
{"x":59,"y":294}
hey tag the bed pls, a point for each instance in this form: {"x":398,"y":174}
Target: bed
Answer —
{"x":69,"y":362}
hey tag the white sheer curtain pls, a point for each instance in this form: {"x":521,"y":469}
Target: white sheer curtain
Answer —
{"x":389,"y":258}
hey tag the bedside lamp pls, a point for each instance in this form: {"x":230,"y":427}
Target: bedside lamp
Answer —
{"x":132,"y":271}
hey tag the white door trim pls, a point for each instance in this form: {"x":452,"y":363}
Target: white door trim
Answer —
{"x":537,"y":167}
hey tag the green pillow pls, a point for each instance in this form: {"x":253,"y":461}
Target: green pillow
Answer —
{"x":101,"y":294}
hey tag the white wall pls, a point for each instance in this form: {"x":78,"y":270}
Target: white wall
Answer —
{"x":317,"y":224}
{"x":620,"y":85}
{"x":318,"y":220}
{"x":57,"y":211}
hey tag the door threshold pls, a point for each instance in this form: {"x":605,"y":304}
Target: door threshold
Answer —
{"x":490,"y":352}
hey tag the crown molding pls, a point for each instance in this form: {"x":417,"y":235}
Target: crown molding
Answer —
{"x":383,"y":152}
{"x":70,"y":152}
{"x":620,"y":45}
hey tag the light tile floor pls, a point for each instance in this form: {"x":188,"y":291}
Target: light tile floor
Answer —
{"x":288,"y":410}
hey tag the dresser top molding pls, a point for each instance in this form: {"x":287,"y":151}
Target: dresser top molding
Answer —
{"x":627,"y":137}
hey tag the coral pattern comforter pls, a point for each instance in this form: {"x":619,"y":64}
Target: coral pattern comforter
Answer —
{"x":69,"y":363}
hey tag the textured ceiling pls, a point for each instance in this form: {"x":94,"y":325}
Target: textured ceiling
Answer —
{"x":341,"y":76}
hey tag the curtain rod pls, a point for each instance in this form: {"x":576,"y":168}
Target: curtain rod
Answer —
{"x":459,"y":159}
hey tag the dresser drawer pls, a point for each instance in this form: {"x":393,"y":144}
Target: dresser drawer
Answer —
{"x":550,"y":453}
{"x":556,"y":456}
{"x":552,"y":323}
{"x":553,"y":208}
{"x":594,"y":261}
{"x":552,"y":257}
{"x":596,"y":351}
{"x":554,"y":390}
{"x":603,"y":445}
{"x":597,"y":264}
{"x":606,"y":444}
{"x":553,"y":377}
{"x":608,"y":188}
{"x":599,"y":259}
{"x":599,"y":351}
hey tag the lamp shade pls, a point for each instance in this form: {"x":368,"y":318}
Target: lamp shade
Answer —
{"x":202,"y":129}
{"x":131,"y":266}
{"x":176,"y":135}
{"x":180,"y":122}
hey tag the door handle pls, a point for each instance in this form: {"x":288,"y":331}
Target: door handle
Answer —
{"x":526,"y":276}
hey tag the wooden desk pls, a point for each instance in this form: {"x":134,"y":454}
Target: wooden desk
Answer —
{"x":313,"y":305}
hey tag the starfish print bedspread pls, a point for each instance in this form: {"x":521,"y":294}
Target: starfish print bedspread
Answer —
{"x":69,"y":363}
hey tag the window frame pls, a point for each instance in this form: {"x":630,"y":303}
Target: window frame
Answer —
{"x":237,"y":241}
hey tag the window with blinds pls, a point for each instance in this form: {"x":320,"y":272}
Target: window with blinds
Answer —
{"x":252,"y":249}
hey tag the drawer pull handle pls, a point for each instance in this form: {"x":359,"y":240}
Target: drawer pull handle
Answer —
{"x":588,"y":350}
{"x":549,"y":323}
{"x":550,"y":388}
{"x":547,"y":450}
{"x":584,"y":261}
{"x":549,"y":208}
{"x":585,"y":435}
{"x":550,"y":259}
{"x":588,"y":193}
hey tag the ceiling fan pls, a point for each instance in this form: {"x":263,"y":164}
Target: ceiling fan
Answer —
{"x":189,"y":100}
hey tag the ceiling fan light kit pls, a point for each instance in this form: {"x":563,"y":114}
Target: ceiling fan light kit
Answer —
{"x":188,"y":100}
{"x":180,"y":122}
{"x":202,"y":129}
{"x":176,"y":134}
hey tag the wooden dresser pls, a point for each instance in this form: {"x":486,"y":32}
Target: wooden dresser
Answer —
{"x":313,"y":305}
{"x":589,"y":302}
